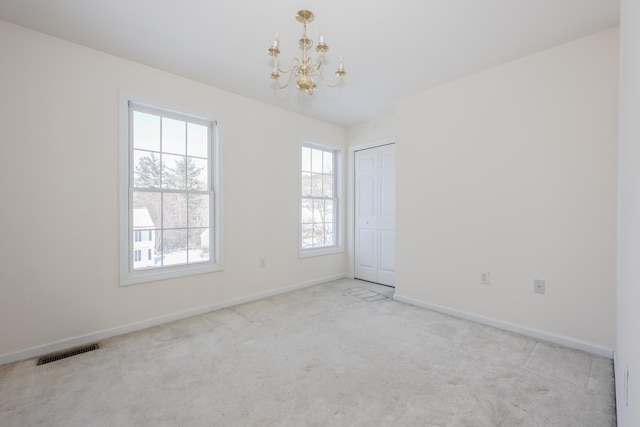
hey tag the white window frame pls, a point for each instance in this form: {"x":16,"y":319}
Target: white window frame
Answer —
{"x":338,"y":184}
{"x":128,"y":275}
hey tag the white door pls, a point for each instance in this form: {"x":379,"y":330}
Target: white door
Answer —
{"x":375,"y":215}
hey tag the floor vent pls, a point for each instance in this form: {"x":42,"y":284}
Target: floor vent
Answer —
{"x":67,"y":353}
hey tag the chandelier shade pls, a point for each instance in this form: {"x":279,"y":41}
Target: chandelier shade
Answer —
{"x":304,"y":69}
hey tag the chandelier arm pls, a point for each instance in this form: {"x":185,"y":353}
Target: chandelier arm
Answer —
{"x":327,"y":83}
{"x":288,"y":79}
{"x":294,"y":61}
{"x":283,"y":86}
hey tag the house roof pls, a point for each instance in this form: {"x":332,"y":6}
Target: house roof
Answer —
{"x":142,"y":219}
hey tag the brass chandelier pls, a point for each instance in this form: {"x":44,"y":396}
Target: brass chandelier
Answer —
{"x":304,"y":69}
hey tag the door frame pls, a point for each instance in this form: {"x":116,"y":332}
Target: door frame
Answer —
{"x":351,"y":193}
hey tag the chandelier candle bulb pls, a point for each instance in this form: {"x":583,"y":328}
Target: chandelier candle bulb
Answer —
{"x":275,"y":39}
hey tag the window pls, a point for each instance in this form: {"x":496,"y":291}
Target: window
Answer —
{"x":319,"y":202}
{"x":170,"y":197}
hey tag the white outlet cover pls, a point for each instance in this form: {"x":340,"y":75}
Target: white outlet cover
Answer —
{"x":485,"y":278}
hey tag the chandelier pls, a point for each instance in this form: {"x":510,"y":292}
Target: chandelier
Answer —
{"x":304,"y":69}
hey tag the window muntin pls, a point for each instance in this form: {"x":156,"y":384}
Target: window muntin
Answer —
{"x":318,"y":198}
{"x":171,"y":196}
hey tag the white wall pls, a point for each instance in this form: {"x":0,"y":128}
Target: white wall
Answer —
{"x":513,"y":170}
{"x":628,"y":312}
{"x":59,"y":187}
{"x":381,"y":129}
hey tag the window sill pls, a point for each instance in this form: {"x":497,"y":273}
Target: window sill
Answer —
{"x":143,"y":276}
{"x":307,"y":253}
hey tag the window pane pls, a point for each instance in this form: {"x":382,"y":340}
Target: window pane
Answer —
{"x":146,"y":169}
{"x":174,"y":211}
{"x":306,"y":159}
{"x":328,"y":235}
{"x":198,"y":245}
{"x":146,"y":131}
{"x":307,"y":236}
{"x":198,"y":210}
{"x":318,"y":235}
{"x":306,"y":213}
{"x":316,"y":161}
{"x":196,"y":174}
{"x":306,"y":184}
{"x":173,"y":136}
{"x":144,"y":245}
{"x":174,"y":173}
{"x":142,"y":219}
{"x":328,"y":209}
{"x":150,"y":203}
{"x":175,"y":247}
{"x":318,"y":211}
{"x":327,"y":185}
{"x":157,"y":257}
{"x":327,"y":162}
{"x":316,"y":184}
{"x":197,"y":137}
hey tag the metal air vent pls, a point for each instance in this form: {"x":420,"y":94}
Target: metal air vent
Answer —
{"x":67,"y":353}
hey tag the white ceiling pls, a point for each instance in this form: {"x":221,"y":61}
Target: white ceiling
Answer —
{"x":391,"y":48}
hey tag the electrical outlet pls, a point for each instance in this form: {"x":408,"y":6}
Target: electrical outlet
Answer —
{"x":485,"y":278}
{"x":262,"y":263}
{"x":538,"y":286}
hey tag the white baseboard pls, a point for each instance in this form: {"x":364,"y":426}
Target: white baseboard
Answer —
{"x":522,"y":330}
{"x":40,"y":350}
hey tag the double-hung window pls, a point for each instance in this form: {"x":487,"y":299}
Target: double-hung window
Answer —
{"x":319,"y":199}
{"x":170,"y":200}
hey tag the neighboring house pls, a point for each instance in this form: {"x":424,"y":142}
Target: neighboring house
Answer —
{"x":144,"y":239}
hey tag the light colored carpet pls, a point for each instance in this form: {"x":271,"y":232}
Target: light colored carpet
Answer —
{"x":340,"y":354}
